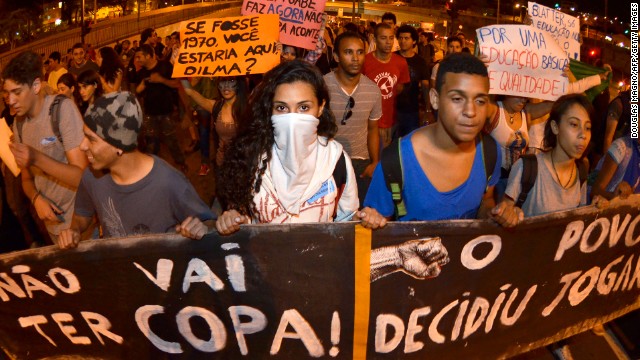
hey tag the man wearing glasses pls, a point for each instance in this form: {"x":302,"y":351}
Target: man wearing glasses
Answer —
{"x":356,"y":103}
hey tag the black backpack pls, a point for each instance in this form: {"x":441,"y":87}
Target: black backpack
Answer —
{"x":391,"y":162}
{"x":530,"y":175}
{"x":54,"y":116}
{"x":340,"y":177}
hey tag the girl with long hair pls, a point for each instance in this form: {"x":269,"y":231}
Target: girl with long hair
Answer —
{"x":90,"y":88}
{"x":224,"y":118}
{"x":283,"y":167}
{"x":68,"y":87}
{"x":111,"y":69}
{"x":558,"y":185}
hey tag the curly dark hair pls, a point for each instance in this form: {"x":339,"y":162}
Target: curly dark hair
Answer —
{"x":111,"y":64}
{"x":559,"y":108}
{"x":408,"y":29}
{"x":24,"y":68}
{"x":246,"y":160}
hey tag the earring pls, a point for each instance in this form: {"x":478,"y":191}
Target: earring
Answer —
{"x":119,"y":152}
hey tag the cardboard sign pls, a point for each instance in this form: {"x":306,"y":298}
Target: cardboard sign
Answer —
{"x":523,"y":61}
{"x":443,"y":290}
{"x":564,"y":28}
{"x":5,"y":153}
{"x":300,"y":20}
{"x":230,"y":46}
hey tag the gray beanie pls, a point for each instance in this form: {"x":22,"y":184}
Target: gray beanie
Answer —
{"x":116,"y":117}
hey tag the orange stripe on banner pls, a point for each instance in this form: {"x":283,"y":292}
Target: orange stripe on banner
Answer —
{"x":362,"y":291}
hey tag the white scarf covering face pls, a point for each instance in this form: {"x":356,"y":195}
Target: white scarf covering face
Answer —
{"x":294,"y":158}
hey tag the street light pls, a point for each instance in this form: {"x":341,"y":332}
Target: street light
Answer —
{"x":516,"y":6}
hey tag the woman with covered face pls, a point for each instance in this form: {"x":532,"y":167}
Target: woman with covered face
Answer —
{"x":285,"y":166}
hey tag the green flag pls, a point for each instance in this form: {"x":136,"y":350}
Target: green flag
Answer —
{"x":582,"y":70}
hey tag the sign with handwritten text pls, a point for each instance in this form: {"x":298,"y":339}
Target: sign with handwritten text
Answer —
{"x":563,"y":28}
{"x":466,"y":289}
{"x":523,"y":61}
{"x":300,"y":20}
{"x":229,"y":46}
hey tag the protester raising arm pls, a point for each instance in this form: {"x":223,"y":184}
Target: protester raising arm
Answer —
{"x":204,"y":103}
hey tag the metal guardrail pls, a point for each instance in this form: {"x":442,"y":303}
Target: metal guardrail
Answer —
{"x":109,"y":31}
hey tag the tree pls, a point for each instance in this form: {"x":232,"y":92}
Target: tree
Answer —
{"x":17,"y":25}
{"x":69,"y":11}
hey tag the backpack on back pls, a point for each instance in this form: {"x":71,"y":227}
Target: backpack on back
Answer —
{"x":340,"y":177}
{"x":530,"y":175}
{"x":54,"y":116}
{"x":391,"y":162}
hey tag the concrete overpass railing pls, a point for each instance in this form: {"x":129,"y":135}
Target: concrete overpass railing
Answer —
{"x":109,"y":31}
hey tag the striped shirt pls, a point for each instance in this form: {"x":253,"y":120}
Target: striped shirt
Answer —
{"x":368,"y":106}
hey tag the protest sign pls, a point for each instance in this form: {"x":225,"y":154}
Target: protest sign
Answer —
{"x":327,"y":290}
{"x":563,"y":28}
{"x":5,"y":153}
{"x":300,"y":20}
{"x":523,"y":61}
{"x":229,"y":46}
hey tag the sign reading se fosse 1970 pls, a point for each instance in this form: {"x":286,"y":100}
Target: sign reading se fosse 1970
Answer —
{"x":229,"y":46}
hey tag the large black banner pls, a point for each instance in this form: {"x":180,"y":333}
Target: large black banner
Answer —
{"x":455,"y":289}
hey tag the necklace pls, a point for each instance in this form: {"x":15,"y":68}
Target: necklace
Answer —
{"x":511,"y":116}
{"x":553,"y":164}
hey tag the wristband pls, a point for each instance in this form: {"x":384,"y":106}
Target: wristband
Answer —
{"x":35,"y":197}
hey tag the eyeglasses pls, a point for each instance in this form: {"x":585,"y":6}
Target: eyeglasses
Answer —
{"x":347,"y":110}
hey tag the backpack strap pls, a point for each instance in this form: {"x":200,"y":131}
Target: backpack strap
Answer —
{"x":19,"y":123}
{"x":528,"y":177}
{"x":391,"y":162}
{"x":340,"y":172}
{"x":489,"y":155}
{"x":340,"y":177}
{"x":54,"y":115}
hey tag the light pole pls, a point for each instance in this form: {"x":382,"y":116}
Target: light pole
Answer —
{"x":516,"y":6}
{"x":353,"y":11}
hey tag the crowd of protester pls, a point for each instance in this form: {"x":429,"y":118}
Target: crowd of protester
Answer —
{"x":375,"y":124}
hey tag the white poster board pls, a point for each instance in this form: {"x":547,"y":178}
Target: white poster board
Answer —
{"x":523,"y":61}
{"x":564,"y":28}
{"x":5,"y":153}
